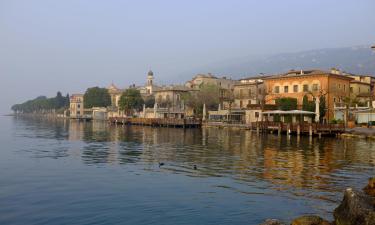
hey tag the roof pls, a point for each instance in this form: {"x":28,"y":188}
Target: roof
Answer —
{"x":300,"y":73}
{"x":209,"y":75}
{"x":290,"y":112}
{"x":359,"y":82}
{"x":173,"y":88}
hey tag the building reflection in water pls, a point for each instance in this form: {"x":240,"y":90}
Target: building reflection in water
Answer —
{"x":298,"y":164}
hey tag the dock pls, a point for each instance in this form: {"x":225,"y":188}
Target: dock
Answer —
{"x":299,"y":128}
{"x":157,"y":122}
{"x":310,"y":129}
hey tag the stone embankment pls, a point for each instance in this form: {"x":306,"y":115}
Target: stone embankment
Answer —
{"x":356,"y":208}
{"x":360,"y":132}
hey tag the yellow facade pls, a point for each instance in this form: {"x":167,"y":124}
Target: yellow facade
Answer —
{"x":312,"y":83}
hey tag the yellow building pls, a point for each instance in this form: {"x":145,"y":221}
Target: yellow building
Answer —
{"x":360,"y":91}
{"x":313,"y":83}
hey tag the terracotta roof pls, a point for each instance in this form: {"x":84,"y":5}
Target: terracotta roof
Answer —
{"x":359,"y":82}
{"x":299,"y":73}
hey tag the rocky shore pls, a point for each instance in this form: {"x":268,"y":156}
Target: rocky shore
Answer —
{"x":360,"y":132}
{"x":356,"y":208}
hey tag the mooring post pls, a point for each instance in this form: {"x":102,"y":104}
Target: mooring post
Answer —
{"x":257,"y":128}
{"x":298,"y":129}
{"x":320,"y":135}
{"x":279,"y":130}
{"x":310,"y":130}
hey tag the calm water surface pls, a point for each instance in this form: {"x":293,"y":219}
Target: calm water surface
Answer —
{"x":65,"y":172}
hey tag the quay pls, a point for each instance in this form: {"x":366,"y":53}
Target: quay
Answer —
{"x":157,"y":122}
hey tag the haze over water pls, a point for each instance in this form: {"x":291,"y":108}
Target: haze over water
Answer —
{"x":66,"y":172}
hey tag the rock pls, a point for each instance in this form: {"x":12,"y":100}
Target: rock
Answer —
{"x":370,"y":188}
{"x":355,"y":209}
{"x":310,"y":220}
{"x":271,"y":222}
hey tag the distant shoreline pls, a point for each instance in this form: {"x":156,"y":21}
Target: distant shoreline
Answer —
{"x":8,"y":115}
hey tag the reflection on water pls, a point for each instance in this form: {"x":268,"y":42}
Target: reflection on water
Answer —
{"x":308,"y":172}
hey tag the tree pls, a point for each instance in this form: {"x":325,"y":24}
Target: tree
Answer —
{"x":286,"y":103}
{"x":131,"y":99}
{"x":307,"y":105}
{"x":149,"y":101}
{"x":96,"y":97}
{"x":59,"y":101}
{"x":208,"y":94}
{"x":42,"y":104}
{"x":322,"y":106}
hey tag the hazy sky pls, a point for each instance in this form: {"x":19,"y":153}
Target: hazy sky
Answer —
{"x":69,"y":45}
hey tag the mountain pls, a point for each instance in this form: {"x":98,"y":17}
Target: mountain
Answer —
{"x":358,"y":60}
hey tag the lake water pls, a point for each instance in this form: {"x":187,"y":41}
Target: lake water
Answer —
{"x":66,"y":172}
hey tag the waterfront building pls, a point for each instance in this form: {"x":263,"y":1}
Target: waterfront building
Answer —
{"x":333,"y":85}
{"x":248,"y":92}
{"x":225,"y":85}
{"x":115,"y":94}
{"x":170,"y":103}
{"x":76,"y":106}
{"x":360,"y":91}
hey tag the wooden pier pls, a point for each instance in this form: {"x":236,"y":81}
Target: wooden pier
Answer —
{"x":157,"y":122}
{"x":299,"y":128}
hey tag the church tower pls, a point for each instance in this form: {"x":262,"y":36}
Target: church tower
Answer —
{"x":150,"y":79}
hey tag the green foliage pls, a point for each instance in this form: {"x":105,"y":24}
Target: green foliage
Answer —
{"x":308,"y":105}
{"x":149,"y":102}
{"x":286,"y":103}
{"x":208,"y":94}
{"x":131,"y":99}
{"x":322,"y":106}
{"x":336,"y":121}
{"x":96,"y":97}
{"x":42,"y":103}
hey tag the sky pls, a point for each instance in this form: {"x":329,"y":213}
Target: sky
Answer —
{"x":69,"y":45}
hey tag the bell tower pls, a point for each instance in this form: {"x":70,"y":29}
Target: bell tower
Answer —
{"x":150,"y":80}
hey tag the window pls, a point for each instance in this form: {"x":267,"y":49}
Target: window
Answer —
{"x":305,"y":88}
{"x":315,"y":87}
{"x":339,"y":85}
{"x":277,"y":89}
{"x":295,"y":88}
{"x":344,"y":87}
{"x":240,"y":104}
{"x":260,"y":91}
{"x":286,"y":89}
{"x":334,"y":99}
{"x":79,"y":106}
{"x":256,"y":114}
